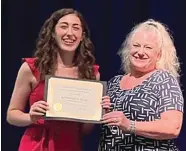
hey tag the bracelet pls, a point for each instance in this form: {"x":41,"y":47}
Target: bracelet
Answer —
{"x":132,"y":127}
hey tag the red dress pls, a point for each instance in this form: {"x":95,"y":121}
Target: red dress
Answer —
{"x":50,"y":135}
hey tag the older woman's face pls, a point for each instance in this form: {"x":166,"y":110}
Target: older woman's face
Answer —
{"x":68,"y":32}
{"x":144,"y":51}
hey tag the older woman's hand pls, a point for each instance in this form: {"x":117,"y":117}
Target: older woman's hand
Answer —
{"x":117,"y":118}
{"x":106,"y":103}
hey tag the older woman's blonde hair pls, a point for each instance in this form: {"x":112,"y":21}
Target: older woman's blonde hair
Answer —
{"x":168,"y":59}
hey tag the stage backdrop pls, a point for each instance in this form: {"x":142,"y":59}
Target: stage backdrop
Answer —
{"x":109,"y":22}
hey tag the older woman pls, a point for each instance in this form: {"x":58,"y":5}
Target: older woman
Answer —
{"x":147,"y":103}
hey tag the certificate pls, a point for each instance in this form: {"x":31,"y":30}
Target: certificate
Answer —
{"x":74,"y":99}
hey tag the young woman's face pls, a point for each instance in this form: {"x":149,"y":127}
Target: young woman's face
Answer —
{"x":68,"y":32}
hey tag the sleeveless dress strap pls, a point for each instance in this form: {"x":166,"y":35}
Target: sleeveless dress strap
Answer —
{"x":30,"y":62}
{"x":96,"y":69}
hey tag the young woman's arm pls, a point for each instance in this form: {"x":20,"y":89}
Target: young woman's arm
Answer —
{"x":22,"y":89}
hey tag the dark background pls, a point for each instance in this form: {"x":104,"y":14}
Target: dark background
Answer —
{"x":109,"y":22}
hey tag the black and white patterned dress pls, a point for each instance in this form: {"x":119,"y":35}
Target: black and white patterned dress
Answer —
{"x":158,"y":93}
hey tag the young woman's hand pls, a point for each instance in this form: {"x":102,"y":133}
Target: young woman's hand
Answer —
{"x":37,"y":110}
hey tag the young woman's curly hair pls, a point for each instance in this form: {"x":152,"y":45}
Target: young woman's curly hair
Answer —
{"x":46,"y":48}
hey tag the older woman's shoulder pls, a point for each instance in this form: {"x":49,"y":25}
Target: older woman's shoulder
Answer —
{"x":163,"y":76}
{"x":115,"y":79}
{"x":164,"y":73}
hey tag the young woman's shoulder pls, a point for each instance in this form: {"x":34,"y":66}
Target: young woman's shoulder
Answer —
{"x":25,"y":71}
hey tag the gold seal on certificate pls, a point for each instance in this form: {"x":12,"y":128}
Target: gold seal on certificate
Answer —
{"x":57,"y":107}
{"x":73,"y":99}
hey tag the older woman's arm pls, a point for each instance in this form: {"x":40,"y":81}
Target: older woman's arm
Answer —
{"x":171,"y":104}
{"x":168,"y":127}
{"x":171,"y":112}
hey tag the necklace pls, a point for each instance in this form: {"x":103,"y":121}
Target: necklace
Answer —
{"x":66,"y":66}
